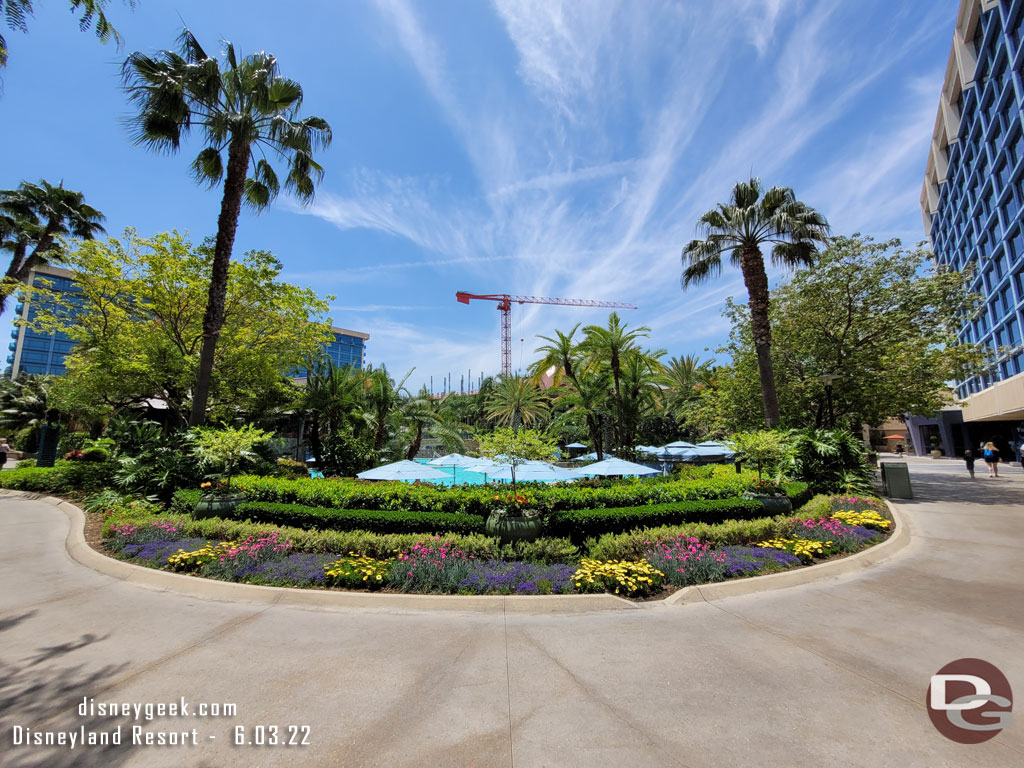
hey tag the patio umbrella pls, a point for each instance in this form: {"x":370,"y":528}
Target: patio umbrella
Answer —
{"x":895,"y":437}
{"x":615,"y":468}
{"x":680,"y":444}
{"x":526,"y":473}
{"x":592,"y":457}
{"x":404,"y":470}
{"x":451,"y":460}
{"x":575,"y":445}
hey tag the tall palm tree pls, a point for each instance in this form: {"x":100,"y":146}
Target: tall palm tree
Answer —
{"x":642,"y":372}
{"x":16,"y":14}
{"x":560,"y":352}
{"x":32,"y":217}
{"x":244,"y":107}
{"x":515,"y":401}
{"x":590,"y":394}
{"x":332,"y":394}
{"x":752,"y":219}
{"x":609,"y":346}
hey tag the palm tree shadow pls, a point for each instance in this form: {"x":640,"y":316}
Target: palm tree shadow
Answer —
{"x":41,"y":694}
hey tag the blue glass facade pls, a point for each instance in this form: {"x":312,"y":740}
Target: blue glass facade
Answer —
{"x":40,"y":353}
{"x":348,"y":348}
{"x":974,"y":189}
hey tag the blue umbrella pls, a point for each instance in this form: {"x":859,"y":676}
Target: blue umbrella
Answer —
{"x":615,"y":468}
{"x":404,"y":470}
{"x":592,"y":457}
{"x":575,"y":445}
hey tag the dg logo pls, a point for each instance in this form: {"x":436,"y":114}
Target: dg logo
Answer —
{"x":970,"y":701}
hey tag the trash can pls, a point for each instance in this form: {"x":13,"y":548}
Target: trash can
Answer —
{"x":896,"y":480}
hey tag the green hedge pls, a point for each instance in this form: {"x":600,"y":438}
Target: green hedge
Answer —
{"x":798,"y":492}
{"x":183,"y":502}
{"x":582,"y":524}
{"x":63,"y":477}
{"x":378,"y":521}
{"x":721,"y":483}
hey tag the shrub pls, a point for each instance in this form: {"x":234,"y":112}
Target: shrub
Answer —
{"x":95,"y":454}
{"x":686,"y":560}
{"x":587,"y":523}
{"x":381,"y":521}
{"x":63,"y":477}
{"x":184,"y":502}
{"x":544,"y":550}
{"x":720,"y":483}
{"x":633,"y":578}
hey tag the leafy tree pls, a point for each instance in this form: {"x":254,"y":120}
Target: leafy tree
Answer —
{"x":244,"y":107}
{"x":610,"y":346}
{"x":874,"y":318}
{"x":32,"y":219}
{"x":226,"y":447}
{"x":516,"y":447}
{"x":421,"y":413}
{"x":749,"y":222}
{"x":138,"y":321}
{"x":767,"y":448}
{"x":383,"y":399}
{"x":16,"y":14}
{"x":516,"y":400}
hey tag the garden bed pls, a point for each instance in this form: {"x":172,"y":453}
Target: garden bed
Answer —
{"x":641,"y":564}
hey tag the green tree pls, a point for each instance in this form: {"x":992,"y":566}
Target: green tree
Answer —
{"x":25,"y":406}
{"x":243,"y":108}
{"x":866,"y":335}
{"x":421,"y":413}
{"x":560,"y":353}
{"x":749,"y":222}
{"x":767,"y":448}
{"x":383,"y":401}
{"x":516,"y":400}
{"x":331,"y":403}
{"x":610,"y":346}
{"x":138,"y":321}
{"x":33,"y":218}
{"x":16,"y":14}
{"x":589,"y":395}
{"x":226,"y":447}
{"x":516,"y":447}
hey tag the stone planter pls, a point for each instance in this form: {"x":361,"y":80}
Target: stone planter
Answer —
{"x":936,"y":454}
{"x":512,"y":528}
{"x":218,"y":505}
{"x":773,"y":505}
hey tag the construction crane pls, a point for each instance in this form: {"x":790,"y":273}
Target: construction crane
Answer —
{"x":505,"y":302}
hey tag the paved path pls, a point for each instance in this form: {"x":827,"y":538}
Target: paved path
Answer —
{"x":832,"y":673}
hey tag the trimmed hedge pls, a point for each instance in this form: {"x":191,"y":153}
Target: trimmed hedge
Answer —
{"x":721,"y":483}
{"x":582,"y":524}
{"x":799,"y":492}
{"x":378,"y":521}
{"x":63,"y":477}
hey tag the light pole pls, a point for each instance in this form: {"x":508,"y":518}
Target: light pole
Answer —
{"x":827,"y":380}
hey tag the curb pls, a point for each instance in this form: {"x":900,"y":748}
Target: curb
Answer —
{"x":707,"y":592}
{"x":209,"y":589}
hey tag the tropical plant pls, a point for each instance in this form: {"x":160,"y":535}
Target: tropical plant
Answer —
{"x":560,"y":353}
{"x":16,"y":14}
{"x":516,"y":400}
{"x":683,"y":378}
{"x":610,"y":346}
{"x":589,"y":394}
{"x":383,"y":397}
{"x":831,"y":460}
{"x":32,"y":219}
{"x":25,"y":406}
{"x":332,"y":397}
{"x":421,"y":413}
{"x":742,"y":227}
{"x":244,"y":107}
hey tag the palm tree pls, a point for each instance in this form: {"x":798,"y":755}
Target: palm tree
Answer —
{"x":245,"y":108}
{"x":516,"y":400}
{"x":683,"y":378}
{"x":383,"y":399}
{"x":590,"y":394}
{"x":560,"y":352}
{"x":17,"y":12}
{"x":332,"y":394}
{"x":32,"y":217}
{"x":420,"y":413}
{"x":748,"y":222}
{"x":25,"y":404}
{"x":609,"y":346}
{"x":642,"y":372}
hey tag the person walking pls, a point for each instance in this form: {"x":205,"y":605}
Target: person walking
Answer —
{"x":991,"y":454}
{"x":1021,"y":455}
{"x":4,"y":449}
{"x":969,"y":459}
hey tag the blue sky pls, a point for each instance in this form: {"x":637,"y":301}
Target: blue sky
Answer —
{"x":545,"y":148}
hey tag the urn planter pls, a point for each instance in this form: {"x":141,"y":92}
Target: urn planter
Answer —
{"x":511,"y":528}
{"x":218,"y":505}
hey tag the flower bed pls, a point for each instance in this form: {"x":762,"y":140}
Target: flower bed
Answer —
{"x":476,"y":565}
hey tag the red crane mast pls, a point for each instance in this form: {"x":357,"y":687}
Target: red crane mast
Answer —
{"x":505,"y":302}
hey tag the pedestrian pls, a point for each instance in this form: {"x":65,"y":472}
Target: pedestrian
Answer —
{"x":991,"y":454}
{"x":969,"y":459}
{"x":899,"y":449}
{"x":1021,"y":456}
{"x":4,"y":448}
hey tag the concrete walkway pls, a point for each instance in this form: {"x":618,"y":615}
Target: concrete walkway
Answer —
{"x":833,"y":673}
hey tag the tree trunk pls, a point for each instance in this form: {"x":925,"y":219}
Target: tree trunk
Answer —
{"x":213,"y":320}
{"x":756,"y":280}
{"x":17,"y":271}
{"x":415,"y":447}
{"x":617,"y":431}
{"x":595,"y":435}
